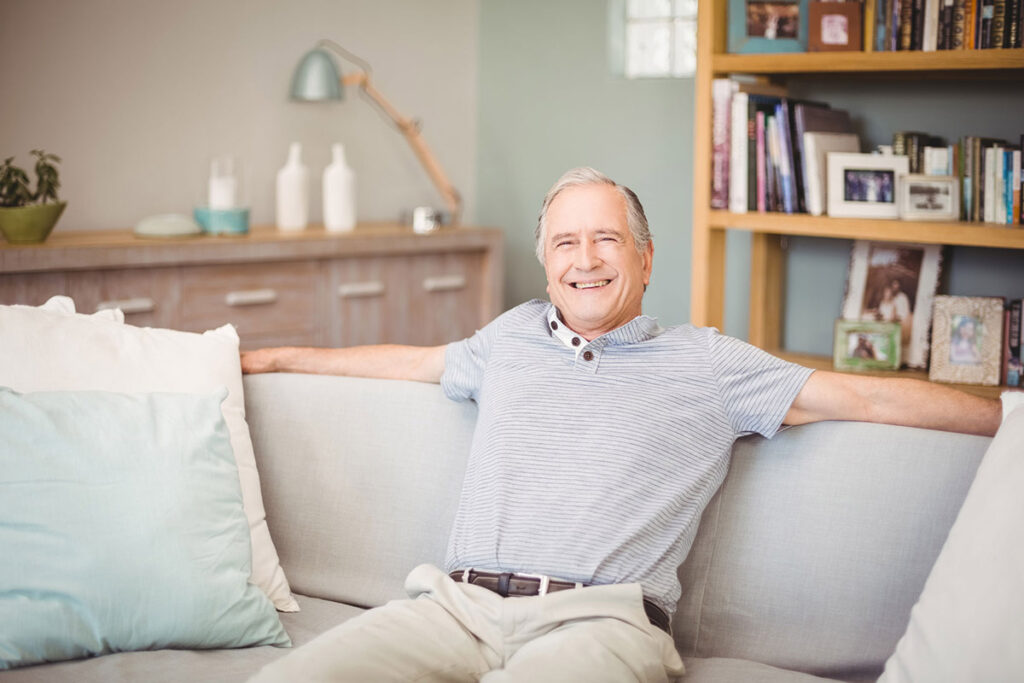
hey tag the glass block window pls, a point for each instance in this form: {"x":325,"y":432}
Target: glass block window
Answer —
{"x":661,"y":38}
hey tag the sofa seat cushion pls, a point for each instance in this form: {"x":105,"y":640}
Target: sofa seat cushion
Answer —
{"x":725,"y":670}
{"x":194,"y":666}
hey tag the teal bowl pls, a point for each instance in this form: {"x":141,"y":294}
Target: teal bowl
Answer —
{"x":222,"y":221}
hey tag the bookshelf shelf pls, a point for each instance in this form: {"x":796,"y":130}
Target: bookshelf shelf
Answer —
{"x":925,"y":232}
{"x":767,"y":267}
{"x":972,"y":61}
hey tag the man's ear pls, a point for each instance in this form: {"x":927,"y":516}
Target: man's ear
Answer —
{"x":648,"y":262}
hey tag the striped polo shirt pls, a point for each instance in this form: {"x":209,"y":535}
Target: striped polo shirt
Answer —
{"x":593,"y":462}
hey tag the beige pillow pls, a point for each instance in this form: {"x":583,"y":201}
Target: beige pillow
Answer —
{"x":968,"y":624}
{"x":51,"y":348}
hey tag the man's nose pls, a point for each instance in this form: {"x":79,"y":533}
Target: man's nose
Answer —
{"x":586,"y":256}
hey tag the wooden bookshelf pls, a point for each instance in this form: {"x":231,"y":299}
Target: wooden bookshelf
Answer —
{"x":767,"y":268}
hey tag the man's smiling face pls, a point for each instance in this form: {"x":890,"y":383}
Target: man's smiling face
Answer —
{"x":595,"y":275}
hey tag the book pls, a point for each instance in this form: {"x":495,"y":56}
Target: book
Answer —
{"x":760,"y":203}
{"x":816,"y":147}
{"x":738,"y":154}
{"x":998,"y":23}
{"x":1014,"y":373}
{"x":929,"y":22}
{"x":809,"y":117}
{"x":986,"y":10}
{"x":764,"y":104}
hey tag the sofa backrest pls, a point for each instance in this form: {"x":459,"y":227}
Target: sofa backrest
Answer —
{"x":809,"y":557}
{"x":818,"y":543}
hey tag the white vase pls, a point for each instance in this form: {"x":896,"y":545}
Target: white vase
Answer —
{"x":293,"y":192}
{"x":339,"y":193}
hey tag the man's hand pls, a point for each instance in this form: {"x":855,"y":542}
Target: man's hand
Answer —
{"x":386,"y":361}
{"x":900,"y":401}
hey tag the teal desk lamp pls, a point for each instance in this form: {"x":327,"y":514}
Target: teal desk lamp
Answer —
{"x":317,"y":79}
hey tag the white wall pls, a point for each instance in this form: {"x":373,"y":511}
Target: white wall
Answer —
{"x":137,"y":95}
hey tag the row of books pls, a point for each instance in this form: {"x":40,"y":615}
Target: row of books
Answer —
{"x":988,"y":170}
{"x":1013,"y":345}
{"x":760,"y":156}
{"x":945,"y":24}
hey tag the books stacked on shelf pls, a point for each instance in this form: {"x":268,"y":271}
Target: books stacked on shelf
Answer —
{"x":1013,"y":345}
{"x":946,"y":24}
{"x":988,"y":169}
{"x":759,"y":155}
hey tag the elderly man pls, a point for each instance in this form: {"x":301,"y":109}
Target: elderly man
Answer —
{"x":601,"y":436}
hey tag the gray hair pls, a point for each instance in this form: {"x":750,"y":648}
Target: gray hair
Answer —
{"x":584,"y":175}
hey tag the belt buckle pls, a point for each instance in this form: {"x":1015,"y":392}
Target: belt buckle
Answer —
{"x":544,"y":579}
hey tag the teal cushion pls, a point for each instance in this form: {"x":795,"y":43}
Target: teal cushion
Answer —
{"x":121,"y":528}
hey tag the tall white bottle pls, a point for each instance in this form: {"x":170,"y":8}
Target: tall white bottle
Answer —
{"x":339,"y":193}
{"x":293,"y":192}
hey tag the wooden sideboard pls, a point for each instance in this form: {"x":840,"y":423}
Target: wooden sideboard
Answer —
{"x":378,"y":284}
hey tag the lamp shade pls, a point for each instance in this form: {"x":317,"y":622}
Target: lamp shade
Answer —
{"x":316,"y":78}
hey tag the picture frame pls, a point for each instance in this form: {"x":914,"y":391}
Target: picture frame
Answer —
{"x":967,"y":340}
{"x":895,"y":282}
{"x":767,"y":26}
{"x":865,"y":185}
{"x":835,"y":27}
{"x":930,"y":197}
{"x":864,"y":345}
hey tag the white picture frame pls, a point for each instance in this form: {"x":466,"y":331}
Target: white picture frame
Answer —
{"x":816,"y":146}
{"x":865,"y":185}
{"x":910,"y":273}
{"x":930,"y":198}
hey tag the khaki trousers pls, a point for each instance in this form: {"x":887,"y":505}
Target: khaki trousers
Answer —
{"x":450,"y":631}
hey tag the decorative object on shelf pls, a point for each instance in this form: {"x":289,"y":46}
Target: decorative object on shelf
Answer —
{"x":293,"y":192}
{"x":222,"y":221}
{"x":967,"y":340}
{"x":339,"y":185}
{"x":167,"y":225}
{"x":28,"y":217}
{"x":834,"y":27}
{"x":930,"y":197}
{"x":864,"y":185}
{"x":866,"y":345}
{"x":895,"y":282}
{"x":816,"y":147}
{"x":424,"y":220}
{"x":776,"y":26}
{"x":224,"y":211}
{"x":317,"y":79}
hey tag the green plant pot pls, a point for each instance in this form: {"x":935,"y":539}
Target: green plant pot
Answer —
{"x":29,"y":224}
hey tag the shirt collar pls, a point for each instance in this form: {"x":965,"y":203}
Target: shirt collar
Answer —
{"x":640,"y":328}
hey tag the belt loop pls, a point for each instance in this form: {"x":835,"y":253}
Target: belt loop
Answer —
{"x":465,"y":574}
{"x":545,"y":582}
{"x":503,"y":580}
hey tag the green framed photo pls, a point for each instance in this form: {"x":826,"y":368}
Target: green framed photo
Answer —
{"x":758,"y":26}
{"x":866,"y":345}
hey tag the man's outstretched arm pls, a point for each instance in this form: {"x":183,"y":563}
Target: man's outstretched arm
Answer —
{"x":900,"y":401}
{"x":385,"y":361}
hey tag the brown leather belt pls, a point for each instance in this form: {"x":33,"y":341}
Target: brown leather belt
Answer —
{"x":510,"y":585}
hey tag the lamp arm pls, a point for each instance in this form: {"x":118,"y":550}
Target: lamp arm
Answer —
{"x":411,"y":130}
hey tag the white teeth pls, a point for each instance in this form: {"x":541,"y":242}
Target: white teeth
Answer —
{"x":588,"y":285}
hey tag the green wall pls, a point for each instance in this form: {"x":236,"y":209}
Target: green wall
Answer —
{"x":549,"y":101}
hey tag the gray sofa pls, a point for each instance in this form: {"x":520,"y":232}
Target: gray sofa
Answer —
{"x":807,"y":562}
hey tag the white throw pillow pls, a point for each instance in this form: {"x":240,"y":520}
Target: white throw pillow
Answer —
{"x":968,"y":624}
{"x":52,"y":350}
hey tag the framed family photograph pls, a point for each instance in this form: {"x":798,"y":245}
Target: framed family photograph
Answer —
{"x":866,"y":345}
{"x":930,"y":197}
{"x":757,"y":26}
{"x":967,"y":340}
{"x":895,"y":282}
{"x":865,"y":185}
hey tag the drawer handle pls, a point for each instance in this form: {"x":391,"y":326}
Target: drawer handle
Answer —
{"x":444,"y":283}
{"x":352,"y":290}
{"x":139,"y":304}
{"x":252,"y":297}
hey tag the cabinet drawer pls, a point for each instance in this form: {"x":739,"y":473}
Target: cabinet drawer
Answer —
{"x":258,"y":299}
{"x":446,"y":297}
{"x":148,"y":297}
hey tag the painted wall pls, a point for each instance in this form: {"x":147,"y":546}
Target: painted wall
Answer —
{"x":548,"y":102}
{"x":136,"y":96}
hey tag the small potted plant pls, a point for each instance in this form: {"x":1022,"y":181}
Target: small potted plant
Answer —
{"x":27,"y":217}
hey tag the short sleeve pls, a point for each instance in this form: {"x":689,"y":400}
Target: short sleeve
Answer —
{"x":464,"y":364}
{"x":757,"y":388}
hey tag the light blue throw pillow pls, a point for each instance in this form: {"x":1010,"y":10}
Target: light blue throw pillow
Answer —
{"x":122,"y":528}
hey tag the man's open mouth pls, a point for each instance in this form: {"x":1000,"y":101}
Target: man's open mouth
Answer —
{"x":590,"y":285}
